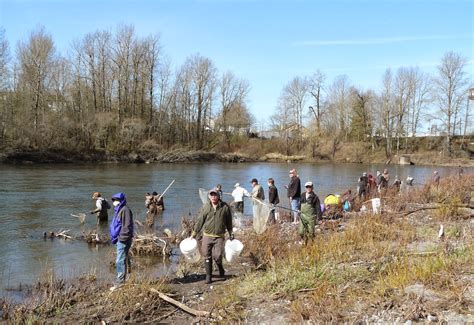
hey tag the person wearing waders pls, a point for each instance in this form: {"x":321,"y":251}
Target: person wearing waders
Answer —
{"x":101,"y":205}
{"x":214,"y":219}
{"x":310,"y":212}
{"x":121,"y":234}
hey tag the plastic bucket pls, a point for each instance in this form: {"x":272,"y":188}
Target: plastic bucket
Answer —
{"x":233,"y":248}
{"x":189,"y":248}
{"x":376,"y":205}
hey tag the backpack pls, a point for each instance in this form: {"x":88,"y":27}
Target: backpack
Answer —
{"x":105,"y":205}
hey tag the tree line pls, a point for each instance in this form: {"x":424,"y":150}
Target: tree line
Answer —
{"x":115,"y":92}
{"x":338,"y":111}
{"x":119,"y":92}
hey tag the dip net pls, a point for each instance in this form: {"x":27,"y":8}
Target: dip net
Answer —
{"x":203,"y":195}
{"x":261,"y":212}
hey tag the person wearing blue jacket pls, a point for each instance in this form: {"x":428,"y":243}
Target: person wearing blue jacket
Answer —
{"x":121,"y":234}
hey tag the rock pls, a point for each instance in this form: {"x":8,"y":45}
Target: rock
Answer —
{"x":408,"y":322}
{"x":432,"y":318}
{"x":420,"y":291}
{"x":452,"y":317}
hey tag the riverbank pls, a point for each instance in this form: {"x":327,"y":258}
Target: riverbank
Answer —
{"x":351,"y":154}
{"x":395,"y":267}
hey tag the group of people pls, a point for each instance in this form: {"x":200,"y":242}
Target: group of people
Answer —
{"x":215,"y":217}
{"x":369,"y":185}
{"x":305,"y":207}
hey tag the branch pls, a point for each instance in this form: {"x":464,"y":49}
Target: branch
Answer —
{"x":176,"y":303}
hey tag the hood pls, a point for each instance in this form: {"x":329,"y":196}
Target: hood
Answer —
{"x":123,"y":201}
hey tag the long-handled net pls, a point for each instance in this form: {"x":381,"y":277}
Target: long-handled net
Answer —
{"x":261,"y":212}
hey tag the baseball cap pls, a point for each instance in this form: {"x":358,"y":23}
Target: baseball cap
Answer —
{"x":215,"y":191}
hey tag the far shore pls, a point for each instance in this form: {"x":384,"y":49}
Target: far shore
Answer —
{"x":429,"y":158}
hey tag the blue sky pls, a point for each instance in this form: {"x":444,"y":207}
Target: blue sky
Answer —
{"x":269,"y":42}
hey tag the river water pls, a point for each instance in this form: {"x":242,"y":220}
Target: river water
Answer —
{"x":41,"y":198}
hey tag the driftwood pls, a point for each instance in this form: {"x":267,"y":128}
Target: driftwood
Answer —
{"x":96,"y":238}
{"x":150,"y":244}
{"x":432,"y":208}
{"x":63,"y":234}
{"x":189,"y":310}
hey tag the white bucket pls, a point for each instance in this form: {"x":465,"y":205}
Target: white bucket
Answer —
{"x":376,"y":205}
{"x":190,"y":250}
{"x":233,"y":248}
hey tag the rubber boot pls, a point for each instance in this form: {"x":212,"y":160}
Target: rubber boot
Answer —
{"x":221,"y":269}
{"x":208,"y":266}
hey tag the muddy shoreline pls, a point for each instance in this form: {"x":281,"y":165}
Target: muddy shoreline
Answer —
{"x":199,"y":156}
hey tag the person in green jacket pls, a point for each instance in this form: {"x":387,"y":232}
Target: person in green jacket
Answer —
{"x":214,"y":219}
{"x":310,"y":212}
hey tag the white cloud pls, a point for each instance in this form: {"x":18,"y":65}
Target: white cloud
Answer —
{"x":379,"y":40}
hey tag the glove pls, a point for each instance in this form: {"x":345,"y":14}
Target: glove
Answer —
{"x":92,"y":212}
{"x":193,"y":235}
{"x":231,"y":236}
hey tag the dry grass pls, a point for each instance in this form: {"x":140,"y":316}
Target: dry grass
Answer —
{"x":341,"y":276}
{"x":85,"y":300}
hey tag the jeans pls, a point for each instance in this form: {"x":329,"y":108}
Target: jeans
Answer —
{"x":123,"y":260}
{"x":295,"y":205}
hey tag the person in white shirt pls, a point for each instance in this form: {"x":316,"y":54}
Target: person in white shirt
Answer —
{"x":238,"y":194}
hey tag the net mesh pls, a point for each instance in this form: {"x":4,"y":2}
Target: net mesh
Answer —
{"x":203,"y":195}
{"x":261,"y":212}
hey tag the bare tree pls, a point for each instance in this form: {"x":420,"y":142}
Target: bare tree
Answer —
{"x":36,"y":57}
{"x":152,"y":63}
{"x":450,"y":92}
{"x":4,"y":60}
{"x":233,"y":96}
{"x":402,"y":101}
{"x":419,"y":89}
{"x":204,"y":80}
{"x":124,"y":41}
{"x":316,"y":88}
{"x":4,"y":83}
{"x":339,"y":103}
{"x":291,"y":105}
{"x":387,"y":111}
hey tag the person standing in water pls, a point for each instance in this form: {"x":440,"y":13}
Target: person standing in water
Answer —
{"x":102,"y":206}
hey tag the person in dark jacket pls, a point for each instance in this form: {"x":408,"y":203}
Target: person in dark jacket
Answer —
{"x":214,"y":219}
{"x":101,"y":205}
{"x":294,"y":194}
{"x":310,"y":212}
{"x":273,"y":199}
{"x":121,"y":234}
{"x":361,"y":189}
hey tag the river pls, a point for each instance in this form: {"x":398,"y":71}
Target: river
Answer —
{"x":41,"y":198}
